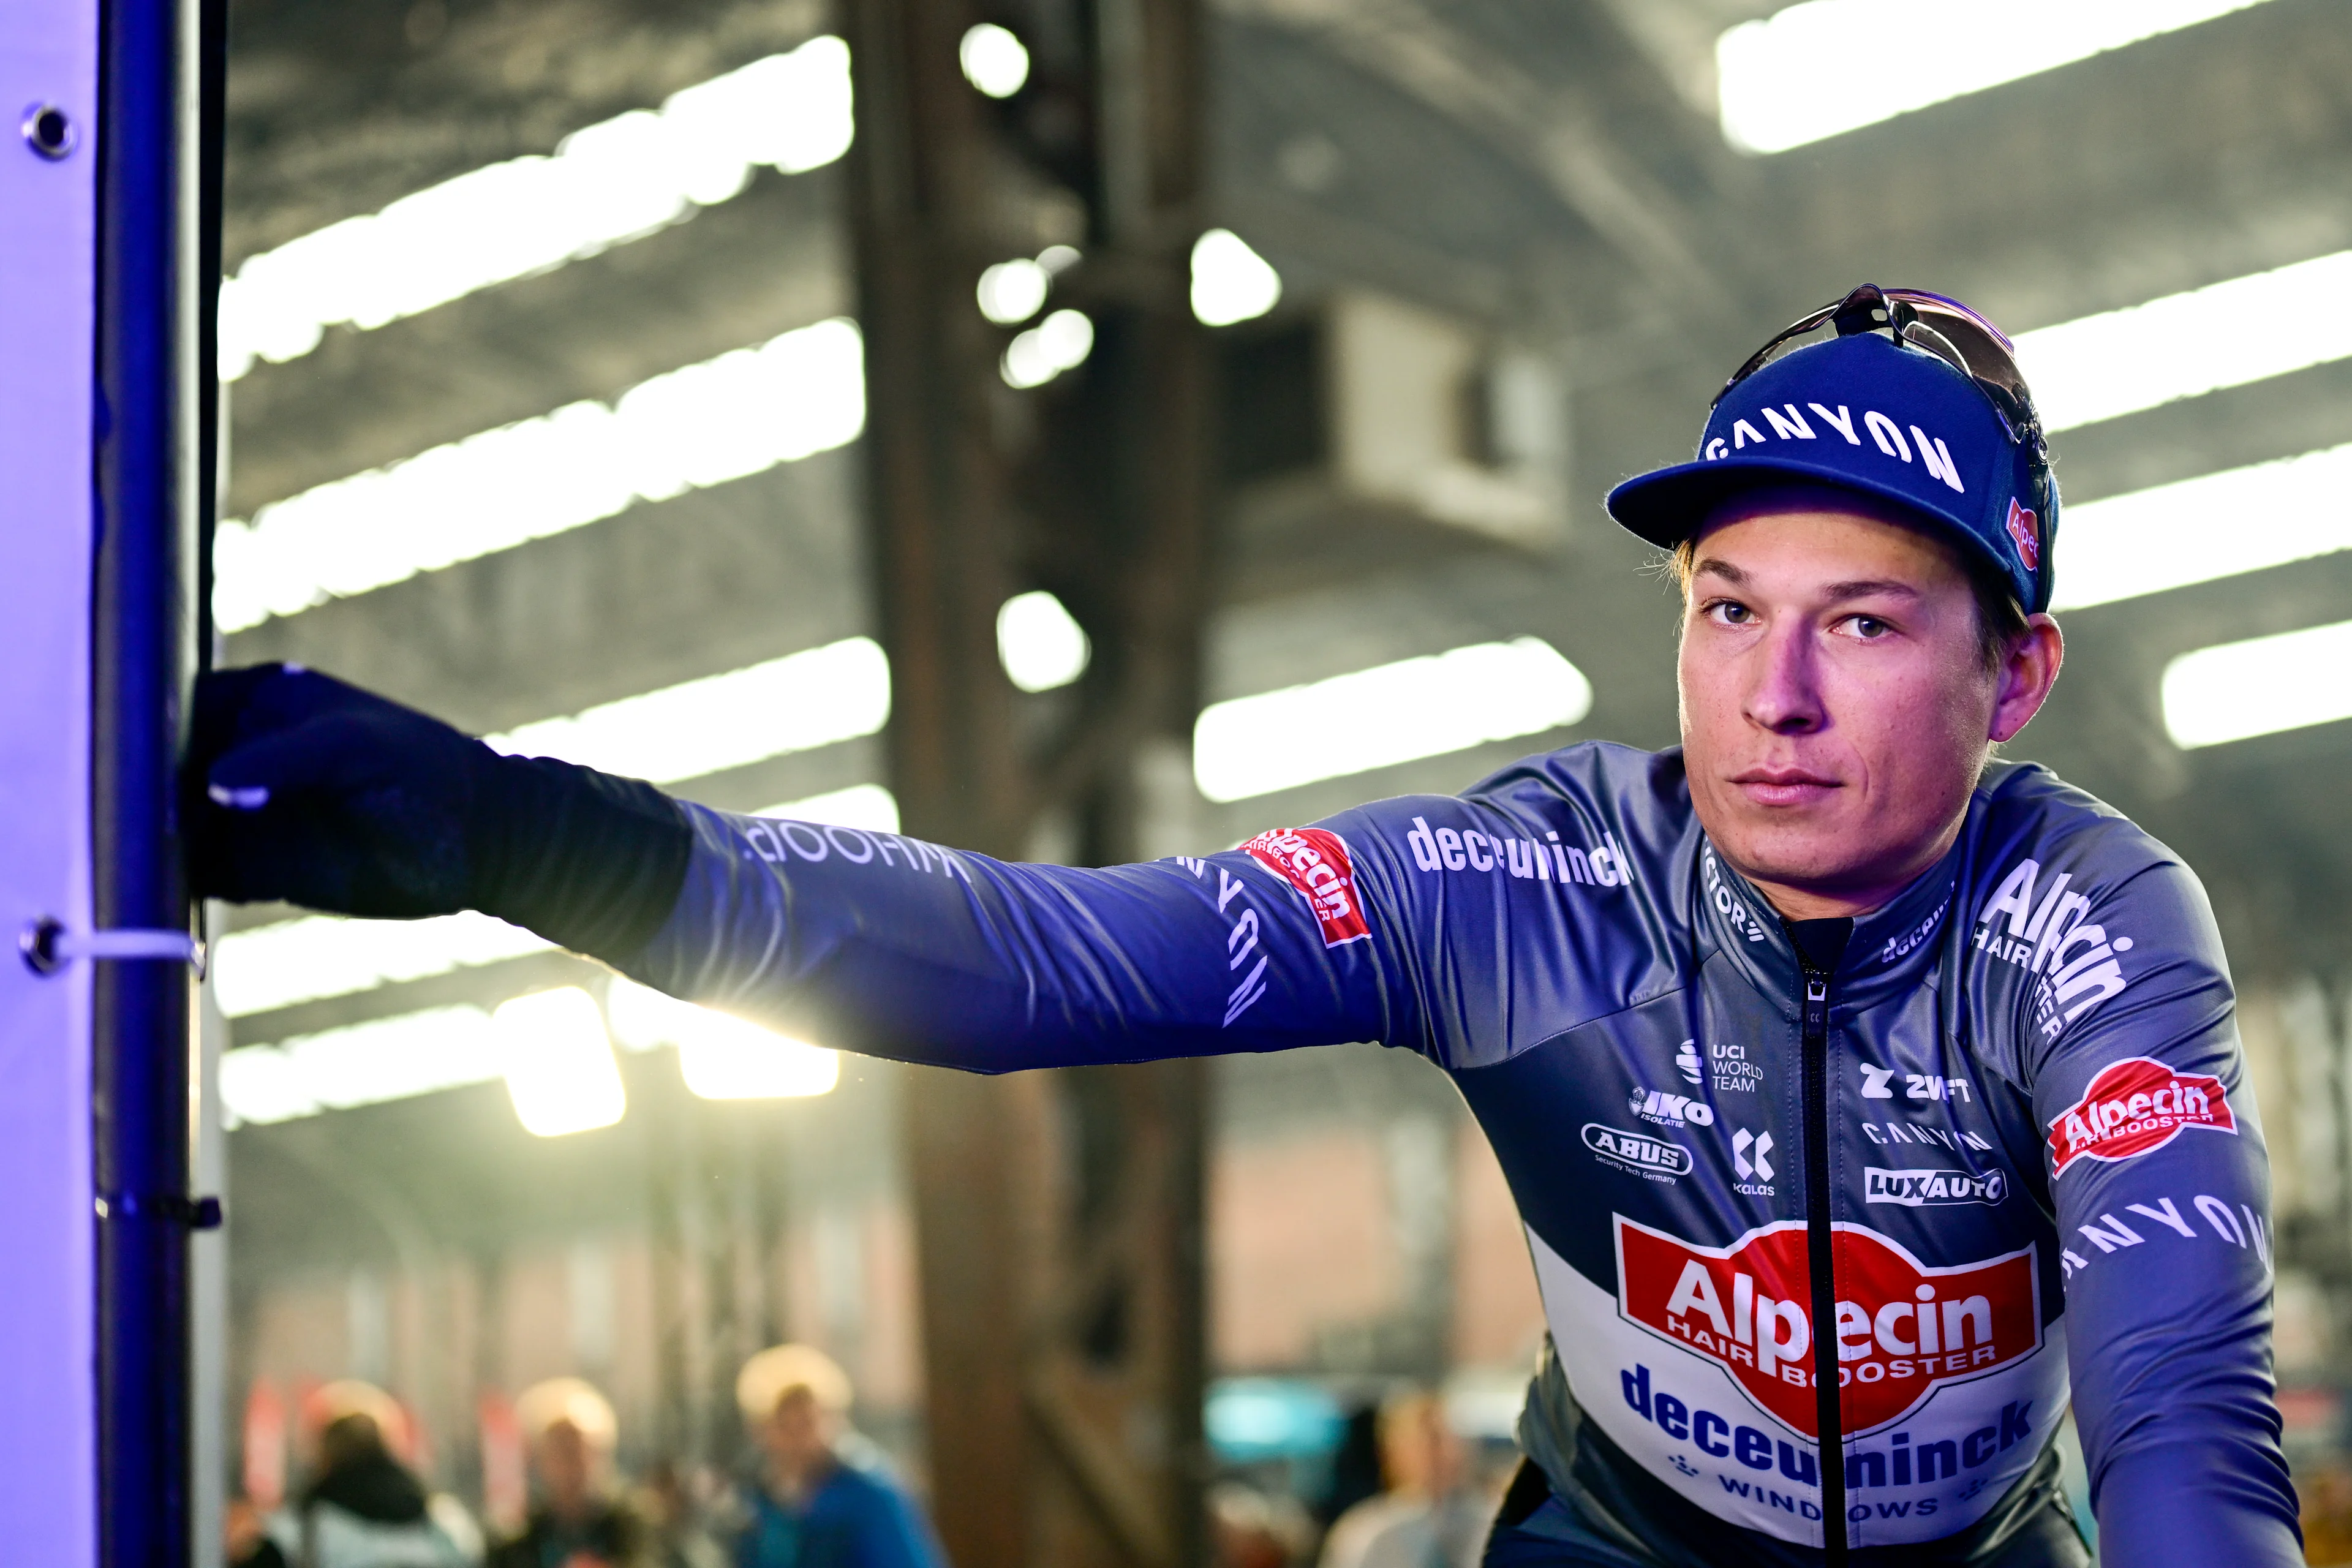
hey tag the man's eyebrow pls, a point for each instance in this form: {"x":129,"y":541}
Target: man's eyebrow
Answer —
{"x":1836,"y":593}
{"x":1866,"y":587}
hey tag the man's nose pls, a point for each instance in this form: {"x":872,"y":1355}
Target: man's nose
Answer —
{"x":1785,"y":694}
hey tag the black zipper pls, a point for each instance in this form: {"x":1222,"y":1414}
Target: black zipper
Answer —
{"x":1819,"y":1090}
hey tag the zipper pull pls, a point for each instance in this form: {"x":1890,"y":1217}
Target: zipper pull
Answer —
{"x":1816,"y":1005}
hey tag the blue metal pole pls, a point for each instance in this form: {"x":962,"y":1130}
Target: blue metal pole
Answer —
{"x":144,"y":623}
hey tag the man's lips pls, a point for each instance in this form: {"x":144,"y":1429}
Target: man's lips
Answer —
{"x":1783,"y":786}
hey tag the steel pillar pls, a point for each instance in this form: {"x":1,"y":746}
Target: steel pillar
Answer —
{"x":1058,"y":1215}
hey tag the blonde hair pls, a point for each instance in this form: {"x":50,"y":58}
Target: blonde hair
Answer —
{"x":572,"y":1400}
{"x":780,"y":1369}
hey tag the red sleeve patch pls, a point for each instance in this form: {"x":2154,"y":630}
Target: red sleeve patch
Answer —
{"x":2134,"y":1105}
{"x":1316,"y":863}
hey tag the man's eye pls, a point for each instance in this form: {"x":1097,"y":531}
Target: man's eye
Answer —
{"x":1869,"y":627}
{"x":1731,"y":615}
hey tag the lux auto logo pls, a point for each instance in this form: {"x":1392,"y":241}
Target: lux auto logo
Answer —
{"x":1902,"y":1328}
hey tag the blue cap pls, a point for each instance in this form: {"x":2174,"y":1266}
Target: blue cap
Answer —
{"x":1866,"y":414}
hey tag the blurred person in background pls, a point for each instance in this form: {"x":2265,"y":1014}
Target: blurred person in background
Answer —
{"x":822,"y":1496}
{"x":578,"y":1519}
{"x":676,"y":1515}
{"x":1253,"y":1529}
{"x":364,"y":1508}
{"x":1433,"y":1513}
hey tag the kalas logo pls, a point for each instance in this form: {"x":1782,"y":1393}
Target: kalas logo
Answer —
{"x":2023,"y":528}
{"x":1634,"y":1149}
{"x":1902,"y":1328}
{"x":2135,"y":1105}
{"x":1316,"y":863}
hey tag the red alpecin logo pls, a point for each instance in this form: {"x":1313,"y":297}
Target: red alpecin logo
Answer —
{"x":1316,"y":862}
{"x":1902,"y":1328}
{"x":2135,"y":1105}
{"x":2022,"y":528}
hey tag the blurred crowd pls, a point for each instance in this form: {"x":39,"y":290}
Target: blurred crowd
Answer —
{"x":1409,"y":1492}
{"x":812,"y":1492}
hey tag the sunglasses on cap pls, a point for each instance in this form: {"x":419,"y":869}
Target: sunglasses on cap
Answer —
{"x":1943,"y":327}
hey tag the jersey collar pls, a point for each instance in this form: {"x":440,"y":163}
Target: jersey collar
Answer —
{"x":1893,"y":947}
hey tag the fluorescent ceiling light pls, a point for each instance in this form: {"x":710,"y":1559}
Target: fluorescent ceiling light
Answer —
{"x":743,"y":413}
{"x":2182,"y":345}
{"x":719,"y":1056}
{"x":611,"y":182}
{"x":1059,"y":342}
{"x":1391,"y":714}
{"x":1042,"y":646}
{"x":866,"y":806}
{"x":2259,"y":687}
{"x":2216,"y":525}
{"x":795,"y":703}
{"x":362,"y":1064}
{"x":314,"y":957}
{"x":276,"y":966}
{"x":1231,"y":282}
{"x":559,"y":1062}
{"x":994,"y":60}
{"x":1825,"y":66}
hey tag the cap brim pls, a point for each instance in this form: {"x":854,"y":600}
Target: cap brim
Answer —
{"x":1666,"y":506}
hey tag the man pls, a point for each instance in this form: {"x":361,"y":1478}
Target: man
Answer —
{"x":1862,"y":1093}
{"x":1432,"y":1512}
{"x":820,"y":1498}
{"x":578,"y":1521}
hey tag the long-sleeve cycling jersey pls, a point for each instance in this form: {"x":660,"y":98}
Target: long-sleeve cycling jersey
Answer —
{"x":2016,"y":1120}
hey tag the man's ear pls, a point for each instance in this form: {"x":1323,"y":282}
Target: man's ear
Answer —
{"x":2028,"y":670}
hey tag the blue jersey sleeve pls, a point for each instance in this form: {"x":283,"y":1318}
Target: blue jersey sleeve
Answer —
{"x":2161,"y":1186}
{"x":889,"y":946}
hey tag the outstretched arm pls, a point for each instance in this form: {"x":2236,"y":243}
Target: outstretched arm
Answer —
{"x":306,"y":789}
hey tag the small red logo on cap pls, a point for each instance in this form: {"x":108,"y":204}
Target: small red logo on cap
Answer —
{"x":2023,"y":528}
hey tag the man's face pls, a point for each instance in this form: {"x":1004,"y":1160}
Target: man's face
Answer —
{"x":567,"y":1466}
{"x":799,"y":1435}
{"x":1835,"y":706}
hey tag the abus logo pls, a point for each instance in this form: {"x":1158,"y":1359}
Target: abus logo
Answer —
{"x":1902,"y":1328}
{"x":2135,"y":1105}
{"x":1634,"y":1149}
{"x":1932,"y":1189}
{"x":1316,"y":863}
{"x":1670,"y":1110}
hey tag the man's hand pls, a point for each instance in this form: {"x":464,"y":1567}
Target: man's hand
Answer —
{"x":300,"y":787}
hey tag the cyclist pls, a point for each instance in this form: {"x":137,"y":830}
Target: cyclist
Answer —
{"x":1865,"y":1095}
